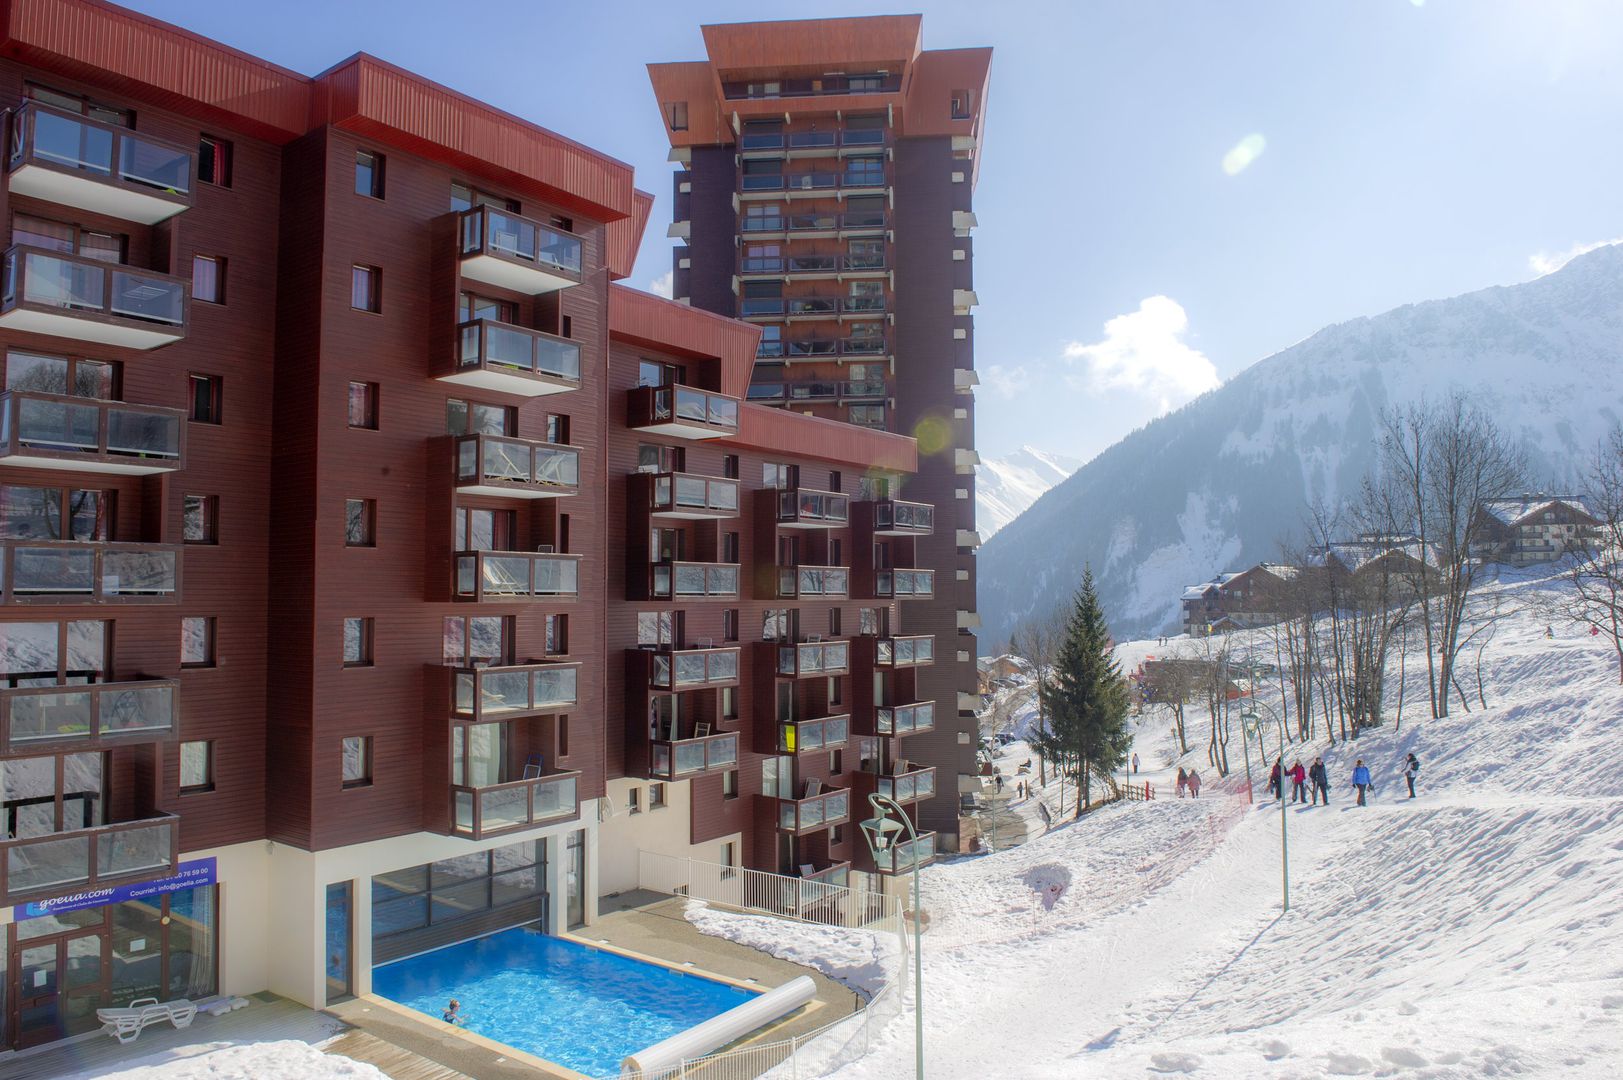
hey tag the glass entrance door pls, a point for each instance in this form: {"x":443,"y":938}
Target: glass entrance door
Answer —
{"x":575,"y":879}
{"x":59,"y":986}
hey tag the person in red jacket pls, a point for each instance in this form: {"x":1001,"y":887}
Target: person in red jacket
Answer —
{"x":1298,"y":783}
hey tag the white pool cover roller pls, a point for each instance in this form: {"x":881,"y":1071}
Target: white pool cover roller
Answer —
{"x":718,"y":1031}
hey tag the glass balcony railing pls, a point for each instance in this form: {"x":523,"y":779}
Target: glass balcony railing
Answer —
{"x":793,"y":265}
{"x":804,"y":736}
{"x":823,"y":86}
{"x":909,"y":651}
{"x":826,"y":347}
{"x":73,"y":160}
{"x":693,"y":581}
{"x":811,"y":140}
{"x":899,"y":516}
{"x":507,"y":249}
{"x":87,"y":572}
{"x":497,"y":465}
{"x":674,"y":759}
{"x":904,"y":584}
{"x":515,"y":352}
{"x":813,"y":581}
{"x":805,"y":506}
{"x":915,"y":784}
{"x":478,"y":812}
{"x":50,"y":292}
{"x":690,"y":495}
{"x":684,"y":411}
{"x":756,"y":306}
{"x":87,"y":434}
{"x":502,"y":692}
{"x":693,"y":669}
{"x":904,"y":719}
{"x":38,"y":867}
{"x":515,"y":575}
{"x":798,"y":660}
{"x":93,"y":714}
{"x":814,"y":811}
{"x":904,"y":856}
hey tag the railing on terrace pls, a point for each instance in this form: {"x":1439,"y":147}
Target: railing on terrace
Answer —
{"x":798,"y":660}
{"x":59,"y":283}
{"x":903,"y":516}
{"x":814,"y":811}
{"x":802,"y":736}
{"x":674,"y":759}
{"x":692,"y":580}
{"x":906,"y":854}
{"x":511,"y":690}
{"x":684,"y":406}
{"x":517,"y":464}
{"x":679,"y":493}
{"x":908,"y":651}
{"x":140,"y":710}
{"x":505,"y":349}
{"x":690,"y":669}
{"x":37,"y":867}
{"x":806,"y":581}
{"x":904,"y":719}
{"x":90,"y":433}
{"x":76,"y":146}
{"x":515,"y":575}
{"x":824,"y":86}
{"x":808,"y":506}
{"x":502,"y":234}
{"x":908,"y":786}
{"x":87,"y":572}
{"x":904,"y":584}
{"x":477,"y":812}
{"x":811,"y":264}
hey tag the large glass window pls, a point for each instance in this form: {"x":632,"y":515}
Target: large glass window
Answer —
{"x":480,"y":639}
{"x":433,"y":894}
{"x":340,"y":934}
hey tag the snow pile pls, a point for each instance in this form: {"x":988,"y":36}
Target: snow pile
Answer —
{"x":1474,"y":931}
{"x":284,"y":1060}
{"x":859,"y":959}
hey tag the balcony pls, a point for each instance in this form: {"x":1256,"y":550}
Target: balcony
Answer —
{"x":686,"y":495}
{"x":811,"y":267}
{"x":805,"y":736}
{"x":843,"y":391}
{"x":896,"y":517}
{"x":677,"y":580}
{"x":800,"y":660}
{"x":904,"y":787}
{"x":87,"y":716}
{"x":694,"y":669}
{"x":824,"y":348}
{"x":50,"y":431}
{"x":683,"y":412}
{"x":513,"y":252}
{"x":821,"y":87}
{"x":819,"y":183}
{"x":904,"y":719}
{"x":807,"y":308}
{"x":903,"y":584}
{"x":837,"y":875}
{"x":74,"y":161}
{"x":807,"y":582}
{"x":509,"y":691}
{"x":478,"y":812}
{"x":39,"y":867}
{"x":679,"y":759}
{"x":87,"y":572}
{"x":515,"y":468}
{"x":807,"y":508}
{"x":814,"y":811}
{"x":514,"y":360}
{"x":483,"y":576}
{"x":913,"y":650}
{"x":70,"y":296}
{"x":901,"y":858}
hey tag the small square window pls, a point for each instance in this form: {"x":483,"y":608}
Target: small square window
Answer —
{"x":729,"y":466}
{"x":634,"y":801}
{"x":656,"y":796}
{"x":357,"y":761}
{"x":729,"y":784}
{"x":676,"y":115}
{"x":369,"y":174}
{"x":208,"y":399}
{"x":557,"y":429}
{"x":196,"y":767}
{"x":563,"y":735}
{"x":363,"y":405}
{"x":360,"y":522}
{"x":208,"y":279}
{"x":197,"y":641}
{"x":358,"y":642}
{"x":200,"y":519}
{"x":729,"y":624}
{"x":557,"y":635}
{"x":214,"y":161}
{"x":960,"y":104}
{"x":366,"y":288}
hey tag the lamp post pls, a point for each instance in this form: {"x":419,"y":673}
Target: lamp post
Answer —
{"x":1253,"y":725}
{"x":882,"y":831}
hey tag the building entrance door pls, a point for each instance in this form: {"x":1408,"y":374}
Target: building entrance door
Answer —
{"x":57,"y":984}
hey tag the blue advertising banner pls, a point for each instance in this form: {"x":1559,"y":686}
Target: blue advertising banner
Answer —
{"x":187,"y":875}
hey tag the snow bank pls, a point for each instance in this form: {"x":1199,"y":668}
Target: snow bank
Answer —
{"x":286,"y":1060}
{"x":859,"y":959}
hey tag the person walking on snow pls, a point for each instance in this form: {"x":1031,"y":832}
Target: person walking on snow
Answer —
{"x":1411,"y":769}
{"x":1276,"y":779}
{"x":1321,"y":781}
{"x":1135,"y":762}
{"x":1361,"y":779}
{"x":1298,"y":783}
{"x":1194,"y":784}
{"x":998,"y":780}
{"x":1183,"y":782}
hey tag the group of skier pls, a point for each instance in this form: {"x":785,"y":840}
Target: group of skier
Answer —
{"x":1316,"y":777}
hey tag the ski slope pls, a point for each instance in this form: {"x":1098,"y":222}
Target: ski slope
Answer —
{"x":1476,"y":931}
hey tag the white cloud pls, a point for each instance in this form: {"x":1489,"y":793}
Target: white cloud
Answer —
{"x":1005,"y":381}
{"x":1144,"y":353}
{"x":1546,"y":262}
{"x":663,"y":284}
{"x":1244,"y":153}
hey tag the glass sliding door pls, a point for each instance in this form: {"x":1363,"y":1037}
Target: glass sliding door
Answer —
{"x":575,"y":879}
{"x":340,"y":940}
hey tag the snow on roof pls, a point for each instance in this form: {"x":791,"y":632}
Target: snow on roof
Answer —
{"x":1357,"y":554}
{"x":1515,"y":511}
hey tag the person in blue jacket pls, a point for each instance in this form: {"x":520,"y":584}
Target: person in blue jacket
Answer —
{"x":1361,"y":779}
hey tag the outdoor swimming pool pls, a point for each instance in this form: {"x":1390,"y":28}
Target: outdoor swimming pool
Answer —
{"x":556,"y":999}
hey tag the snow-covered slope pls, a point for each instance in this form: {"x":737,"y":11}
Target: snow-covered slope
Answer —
{"x":1005,"y":486}
{"x":1475,"y":931}
{"x":1216,"y":484}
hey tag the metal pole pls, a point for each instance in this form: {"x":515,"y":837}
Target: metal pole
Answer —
{"x":1284,"y":816}
{"x":1245,"y":741}
{"x":918,"y":970}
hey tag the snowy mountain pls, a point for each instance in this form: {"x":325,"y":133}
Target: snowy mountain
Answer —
{"x":1219,"y":482}
{"x":1005,"y":486}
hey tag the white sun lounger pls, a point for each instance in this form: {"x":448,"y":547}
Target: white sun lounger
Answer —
{"x":125,"y":1024}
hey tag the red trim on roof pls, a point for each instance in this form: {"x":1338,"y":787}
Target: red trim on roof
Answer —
{"x":657,"y":323}
{"x":762,"y":427}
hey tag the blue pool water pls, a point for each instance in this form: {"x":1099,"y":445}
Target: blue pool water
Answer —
{"x":556,"y":999}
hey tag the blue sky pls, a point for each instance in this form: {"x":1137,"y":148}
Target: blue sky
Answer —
{"x":1170,"y":192}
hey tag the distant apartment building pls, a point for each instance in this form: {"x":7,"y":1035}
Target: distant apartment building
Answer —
{"x":1236,"y":601}
{"x":1535,"y":528}
{"x":824,"y":192}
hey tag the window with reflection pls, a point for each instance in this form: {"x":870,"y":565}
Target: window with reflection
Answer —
{"x":61,"y":375}
{"x":478,"y":639}
{"x":51,"y":653}
{"x":473,"y":418}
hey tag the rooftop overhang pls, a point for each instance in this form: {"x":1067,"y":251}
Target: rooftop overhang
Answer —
{"x":682,"y":330}
{"x":813,"y":46}
{"x":762,"y":427}
{"x":624,"y":237}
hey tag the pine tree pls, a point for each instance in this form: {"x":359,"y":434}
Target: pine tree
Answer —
{"x":1086,"y":699}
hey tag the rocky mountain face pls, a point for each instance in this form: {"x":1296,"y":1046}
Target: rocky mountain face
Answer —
{"x":1005,"y":486}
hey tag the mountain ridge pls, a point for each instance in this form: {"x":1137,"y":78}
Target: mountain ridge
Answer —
{"x":1006,"y":486}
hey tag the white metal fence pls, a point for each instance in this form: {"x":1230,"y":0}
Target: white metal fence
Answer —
{"x":829,"y":1047}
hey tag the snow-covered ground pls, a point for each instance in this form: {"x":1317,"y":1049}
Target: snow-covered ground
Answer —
{"x":1476,"y":931}
{"x":283,"y":1060}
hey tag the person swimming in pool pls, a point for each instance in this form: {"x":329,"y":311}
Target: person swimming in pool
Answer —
{"x":452,"y":1013}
